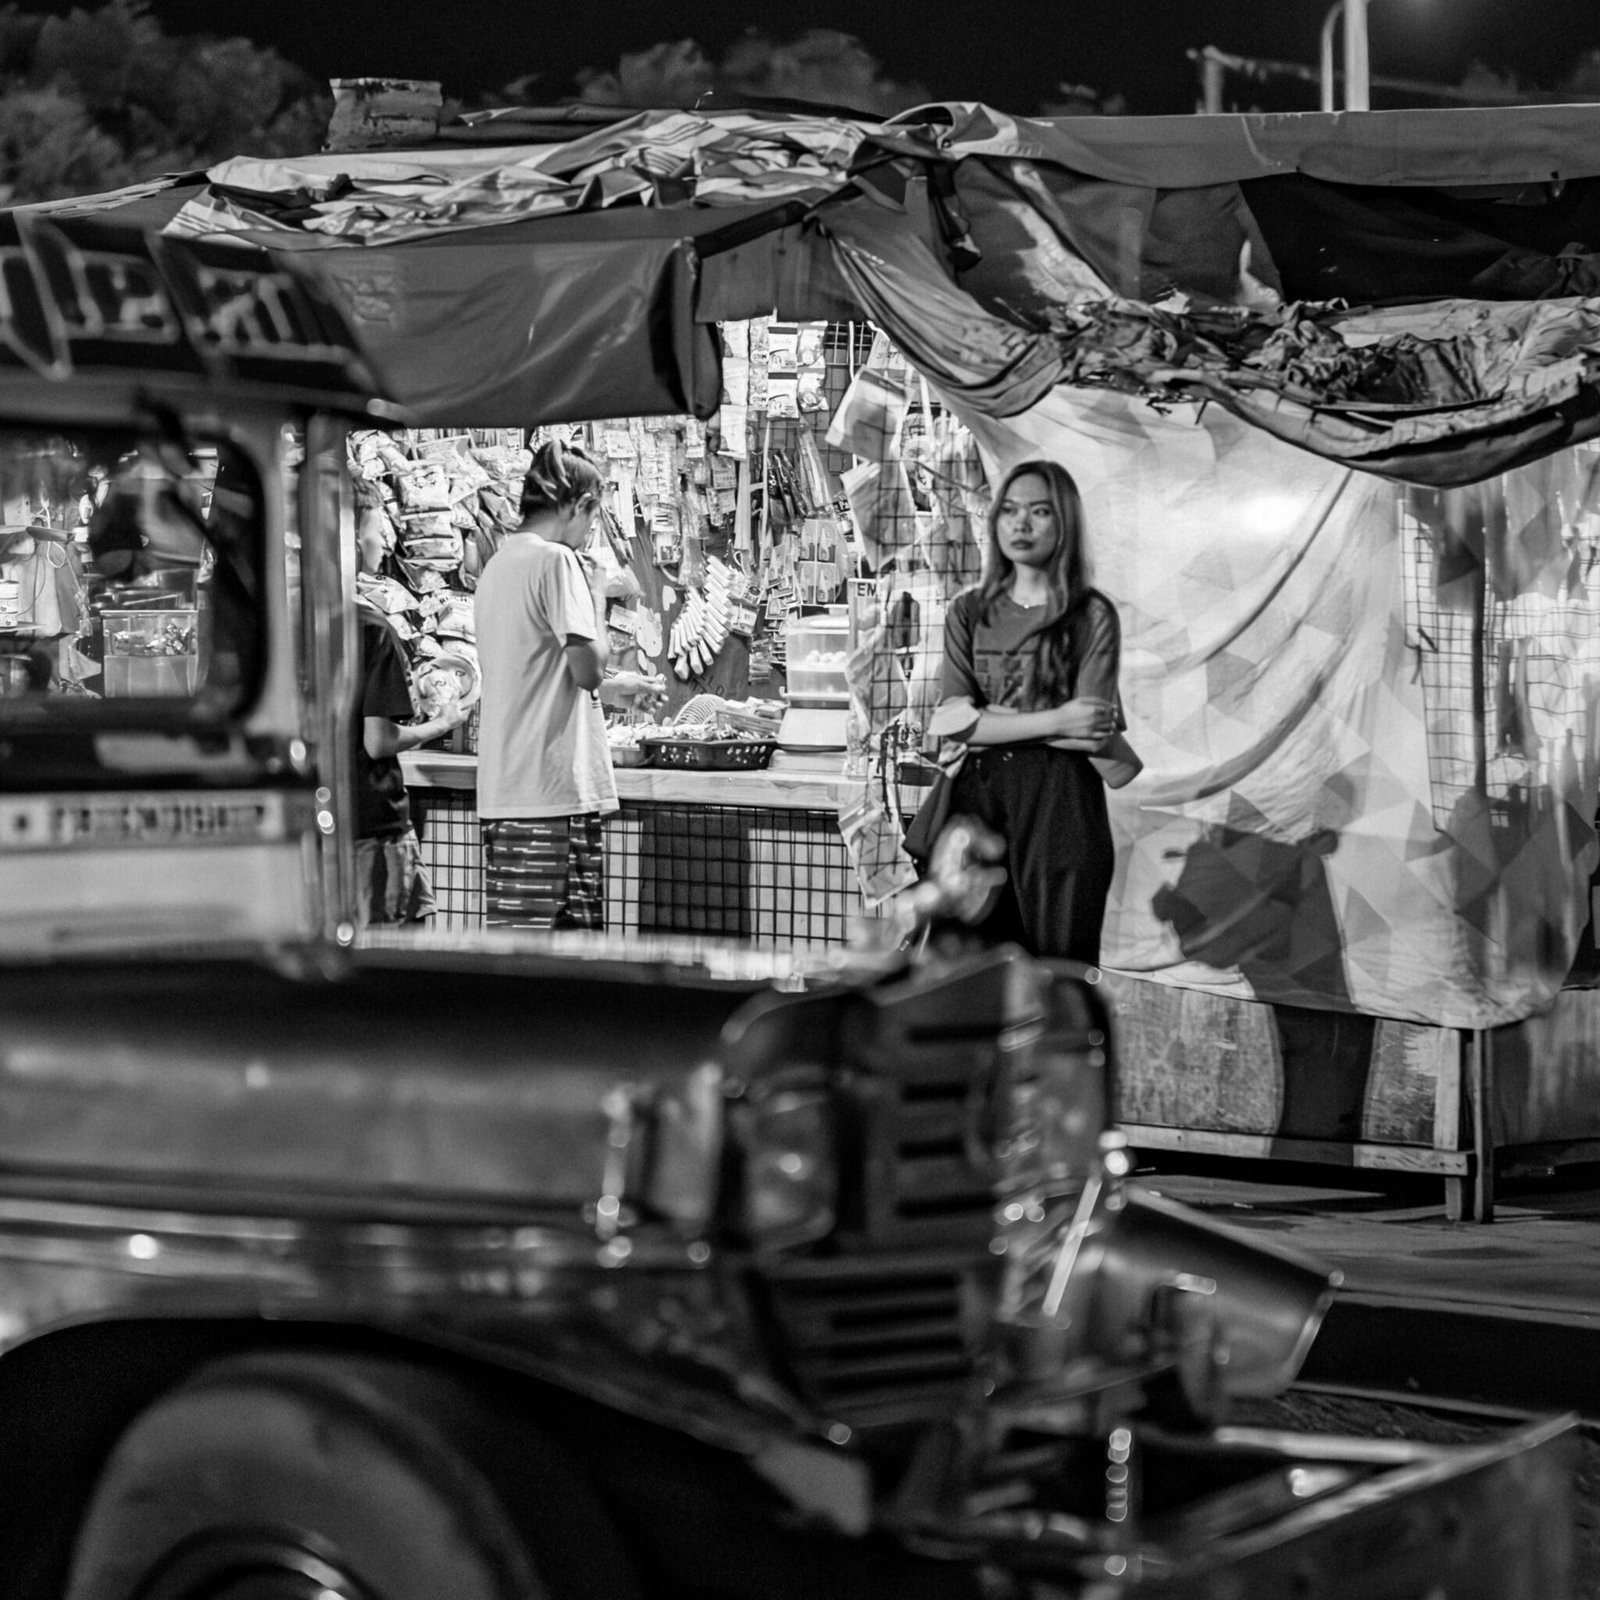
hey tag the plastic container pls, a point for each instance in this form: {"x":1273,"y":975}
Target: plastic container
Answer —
{"x":151,"y":653}
{"x":815,"y":651}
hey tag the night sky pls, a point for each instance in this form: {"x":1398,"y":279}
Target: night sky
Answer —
{"x":1010,"y":53}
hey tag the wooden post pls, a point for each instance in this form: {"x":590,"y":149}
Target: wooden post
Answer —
{"x":1480,"y":1064}
{"x":1481,"y":1053}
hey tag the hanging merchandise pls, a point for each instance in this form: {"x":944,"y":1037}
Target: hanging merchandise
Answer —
{"x":441,"y":499}
{"x":875,"y":843}
{"x":760,"y":358}
{"x":876,"y":678}
{"x":881,"y":510}
{"x":730,"y":496}
{"x":743,"y":543}
{"x":760,"y":670}
{"x":448,"y":678}
{"x":911,"y":606}
{"x":702,"y":627}
{"x":733,"y":417}
{"x":454,"y":619}
{"x":692,"y":566}
{"x":388,"y":595}
{"x":783,"y":341}
{"x":420,"y":580}
{"x":817,"y":567}
{"x":867,"y":419}
{"x":424,"y":486}
{"x":616,"y":442}
{"x":871,"y":422}
{"x":666,"y":537}
{"x":815,"y":490}
{"x":744,"y":604}
{"x":439,"y":549}
{"x":957,"y":531}
{"x":811,"y":370}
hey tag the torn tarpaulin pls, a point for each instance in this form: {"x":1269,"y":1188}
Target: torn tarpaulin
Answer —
{"x":1446,"y":393}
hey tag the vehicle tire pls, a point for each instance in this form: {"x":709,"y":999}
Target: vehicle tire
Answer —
{"x":302,"y":1476}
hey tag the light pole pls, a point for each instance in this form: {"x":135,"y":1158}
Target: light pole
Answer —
{"x":1329,"y":23}
{"x":1357,"y":79}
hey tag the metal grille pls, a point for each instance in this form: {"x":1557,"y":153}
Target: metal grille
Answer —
{"x":876,"y":1339}
{"x":933,"y":1183}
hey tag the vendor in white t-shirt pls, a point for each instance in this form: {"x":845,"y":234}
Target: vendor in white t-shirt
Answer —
{"x":544,"y":769}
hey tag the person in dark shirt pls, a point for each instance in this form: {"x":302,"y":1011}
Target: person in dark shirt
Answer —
{"x":392,"y":884}
{"x":1030,"y":690}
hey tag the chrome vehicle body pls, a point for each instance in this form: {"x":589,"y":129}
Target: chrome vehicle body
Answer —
{"x":842,"y":1251}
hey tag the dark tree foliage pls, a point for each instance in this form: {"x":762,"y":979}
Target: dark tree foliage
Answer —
{"x":101,"y":98}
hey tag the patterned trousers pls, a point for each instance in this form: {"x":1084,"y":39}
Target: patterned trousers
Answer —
{"x":544,"y":873}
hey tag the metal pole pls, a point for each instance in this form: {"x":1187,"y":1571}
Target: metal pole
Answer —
{"x":1357,"y":82}
{"x":1211,"y":70}
{"x":1325,"y":75}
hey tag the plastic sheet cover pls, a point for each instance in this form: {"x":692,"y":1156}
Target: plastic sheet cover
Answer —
{"x":471,"y":333}
{"x":1355,"y":796}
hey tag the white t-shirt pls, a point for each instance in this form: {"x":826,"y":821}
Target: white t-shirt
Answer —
{"x":541,"y":739}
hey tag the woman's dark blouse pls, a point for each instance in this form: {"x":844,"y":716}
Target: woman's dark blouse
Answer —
{"x":994,"y":662}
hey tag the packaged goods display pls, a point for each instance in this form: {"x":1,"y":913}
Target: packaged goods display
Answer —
{"x":440,"y":501}
{"x":796,"y":552}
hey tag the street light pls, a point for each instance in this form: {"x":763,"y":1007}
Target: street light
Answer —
{"x":1357,"y":81}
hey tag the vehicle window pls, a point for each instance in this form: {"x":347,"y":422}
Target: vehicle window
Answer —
{"x":130,"y":566}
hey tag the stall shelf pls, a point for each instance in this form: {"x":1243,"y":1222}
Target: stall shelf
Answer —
{"x":753,"y":856}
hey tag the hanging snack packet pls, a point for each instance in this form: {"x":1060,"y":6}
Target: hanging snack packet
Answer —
{"x":424,"y":486}
{"x":760,"y":670}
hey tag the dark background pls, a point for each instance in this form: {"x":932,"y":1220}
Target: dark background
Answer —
{"x":1010,"y":53}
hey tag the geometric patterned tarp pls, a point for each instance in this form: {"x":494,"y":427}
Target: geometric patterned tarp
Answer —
{"x":1370,"y":772}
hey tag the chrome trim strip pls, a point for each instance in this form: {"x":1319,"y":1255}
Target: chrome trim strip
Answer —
{"x":408,"y":1259}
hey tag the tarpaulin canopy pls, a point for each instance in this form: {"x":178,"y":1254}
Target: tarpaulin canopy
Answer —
{"x":1232,"y":258}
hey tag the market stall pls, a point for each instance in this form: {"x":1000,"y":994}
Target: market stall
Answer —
{"x":1309,"y":371}
{"x":736,"y":572}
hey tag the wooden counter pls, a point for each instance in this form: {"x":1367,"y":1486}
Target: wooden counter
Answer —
{"x":782,"y":791}
{"x":752,"y":856}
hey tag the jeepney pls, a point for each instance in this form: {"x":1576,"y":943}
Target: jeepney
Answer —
{"x":496,"y":1267}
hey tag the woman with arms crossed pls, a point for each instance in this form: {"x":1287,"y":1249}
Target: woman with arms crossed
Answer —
{"x":1030,"y":688}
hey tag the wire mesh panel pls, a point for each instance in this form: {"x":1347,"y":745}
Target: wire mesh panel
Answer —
{"x":1506,"y":631}
{"x":446,"y":821}
{"x":764,"y":876}
{"x":1445,"y":627}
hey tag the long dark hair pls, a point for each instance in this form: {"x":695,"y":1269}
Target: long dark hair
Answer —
{"x":1068,"y":577}
{"x":559,"y":476}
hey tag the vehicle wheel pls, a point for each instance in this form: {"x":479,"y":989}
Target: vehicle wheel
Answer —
{"x":299,"y":1476}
